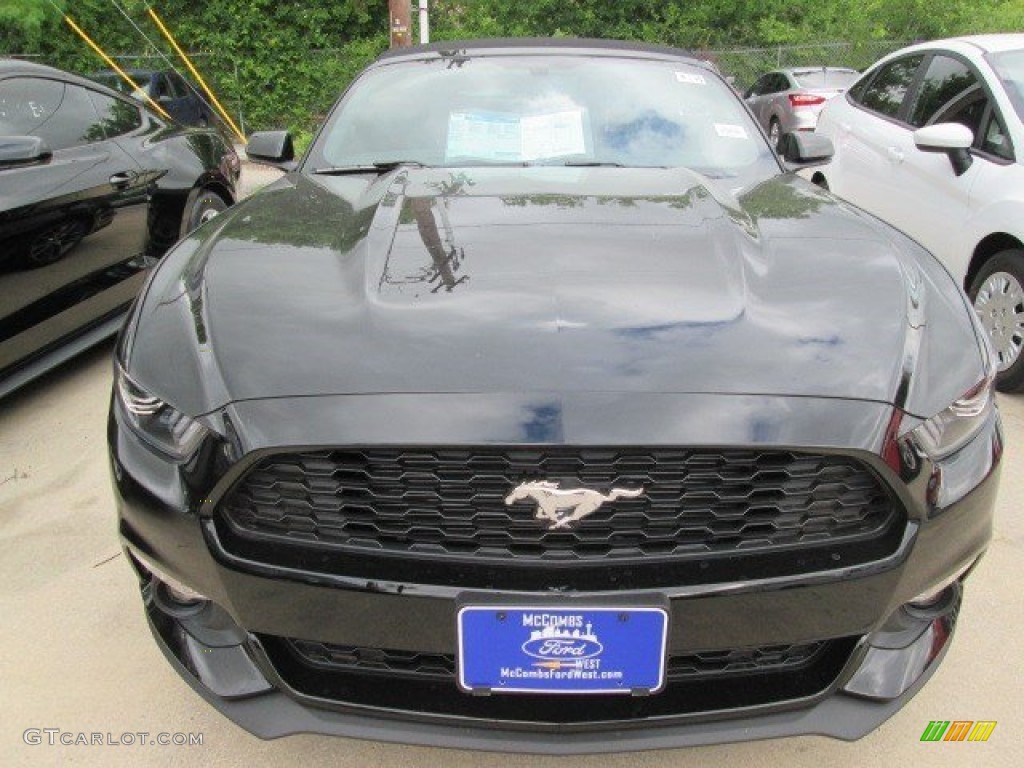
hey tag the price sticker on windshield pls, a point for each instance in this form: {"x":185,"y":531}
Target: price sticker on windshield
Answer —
{"x":691,"y":78}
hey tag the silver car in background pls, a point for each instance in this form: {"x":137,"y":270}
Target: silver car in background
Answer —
{"x":787,"y":100}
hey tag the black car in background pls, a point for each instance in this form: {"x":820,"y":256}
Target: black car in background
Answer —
{"x":180,"y":98}
{"x":543,"y":407}
{"x":94,"y":188}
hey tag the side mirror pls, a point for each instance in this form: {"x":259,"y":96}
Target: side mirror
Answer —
{"x":17,"y":151}
{"x":273,"y":148}
{"x":804,"y":149}
{"x":952,"y":139}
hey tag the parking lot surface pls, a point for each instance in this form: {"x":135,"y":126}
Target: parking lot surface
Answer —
{"x":76,"y":655}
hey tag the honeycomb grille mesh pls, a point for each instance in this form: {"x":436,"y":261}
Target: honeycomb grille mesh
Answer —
{"x":451,"y":502}
{"x":414,"y":664}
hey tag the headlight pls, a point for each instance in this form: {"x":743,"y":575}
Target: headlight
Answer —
{"x":950,"y":430}
{"x":155,"y":421}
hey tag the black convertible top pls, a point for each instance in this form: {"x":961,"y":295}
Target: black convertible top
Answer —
{"x":10,"y":67}
{"x":543,"y":44}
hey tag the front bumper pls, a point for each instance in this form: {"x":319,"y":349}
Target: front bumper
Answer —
{"x":230,"y":652}
{"x":268,"y":712}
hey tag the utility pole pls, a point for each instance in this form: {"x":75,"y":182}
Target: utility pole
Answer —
{"x":400,"y":21}
{"x":424,"y":23}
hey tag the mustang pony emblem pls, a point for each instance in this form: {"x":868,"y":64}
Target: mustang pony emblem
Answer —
{"x":562,"y":508}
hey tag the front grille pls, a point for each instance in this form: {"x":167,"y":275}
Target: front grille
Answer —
{"x":450,"y":503}
{"x":441,"y":666}
{"x":409,"y":683}
{"x":383,"y":661}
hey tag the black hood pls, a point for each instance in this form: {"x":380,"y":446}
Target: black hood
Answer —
{"x":547,"y":279}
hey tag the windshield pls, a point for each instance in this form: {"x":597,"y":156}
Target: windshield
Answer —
{"x":826,"y":78}
{"x":113,"y":80}
{"x":1009,"y":65}
{"x":544,"y":110}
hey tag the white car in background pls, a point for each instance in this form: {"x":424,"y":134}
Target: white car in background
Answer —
{"x":931,"y":139}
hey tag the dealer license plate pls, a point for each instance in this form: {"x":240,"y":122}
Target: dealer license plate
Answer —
{"x":561,"y":650}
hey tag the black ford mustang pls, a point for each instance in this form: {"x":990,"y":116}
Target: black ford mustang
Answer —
{"x":542,"y":407}
{"x":94,"y":188}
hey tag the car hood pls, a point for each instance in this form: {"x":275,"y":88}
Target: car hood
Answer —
{"x":538,"y":279}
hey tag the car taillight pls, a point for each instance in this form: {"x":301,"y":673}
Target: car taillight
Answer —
{"x":805,"y":99}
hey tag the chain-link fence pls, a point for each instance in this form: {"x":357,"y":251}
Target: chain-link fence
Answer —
{"x":299,"y":96}
{"x":295,"y":93}
{"x":747,"y":64}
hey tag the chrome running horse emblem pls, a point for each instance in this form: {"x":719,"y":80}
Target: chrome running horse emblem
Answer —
{"x":562,"y":508}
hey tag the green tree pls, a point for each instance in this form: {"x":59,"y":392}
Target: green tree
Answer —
{"x":24,"y":22}
{"x":282,"y":63}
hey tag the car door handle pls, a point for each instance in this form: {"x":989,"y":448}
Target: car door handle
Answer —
{"x":894,"y":154}
{"x":123,"y":179}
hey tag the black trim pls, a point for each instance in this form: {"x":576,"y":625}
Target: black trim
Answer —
{"x":45,"y":360}
{"x":825,"y":563}
{"x":327,"y":688}
{"x":69,"y":296}
{"x":525,"y":44}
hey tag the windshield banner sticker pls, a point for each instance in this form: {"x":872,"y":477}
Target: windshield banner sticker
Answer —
{"x":488,"y":136}
{"x":555,"y":135}
{"x":500,"y":137}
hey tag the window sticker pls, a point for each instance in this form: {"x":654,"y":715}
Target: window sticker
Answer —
{"x":553,"y":135}
{"x":503,"y":137}
{"x":729,"y":131}
{"x":490,"y":136}
{"x":691,"y":78}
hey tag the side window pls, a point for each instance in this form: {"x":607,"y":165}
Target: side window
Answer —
{"x":777,"y":83}
{"x":973,"y":110}
{"x":968,"y":111}
{"x":758,"y":87}
{"x":62,"y":114}
{"x":117,"y":117}
{"x":27,"y":104}
{"x":162,"y":87}
{"x":946,"y":80}
{"x":856,"y":91}
{"x":995,"y":140}
{"x":178,"y":89}
{"x":887,"y":90}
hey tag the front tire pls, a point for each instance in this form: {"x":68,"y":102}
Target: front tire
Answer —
{"x":774,"y":133}
{"x":997,"y":293}
{"x":207,"y":205}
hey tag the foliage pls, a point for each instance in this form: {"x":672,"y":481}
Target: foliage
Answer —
{"x":275,"y":62}
{"x":282,"y":63}
{"x":727,"y":23}
{"x":23,"y":22}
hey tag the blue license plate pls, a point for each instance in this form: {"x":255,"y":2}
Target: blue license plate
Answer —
{"x":562,"y":650}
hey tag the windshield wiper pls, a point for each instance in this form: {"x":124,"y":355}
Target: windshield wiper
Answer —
{"x":591,"y":164}
{"x":378,"y":168}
